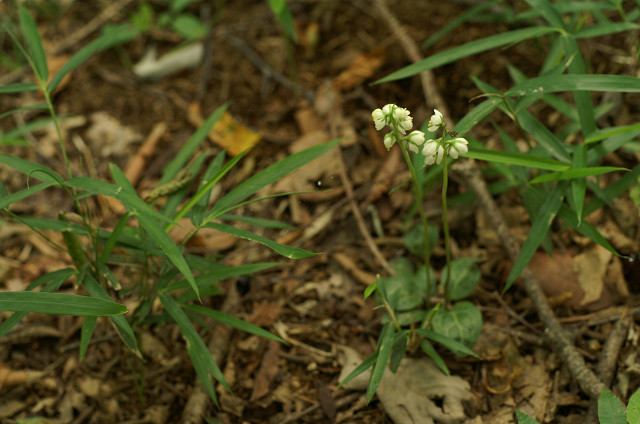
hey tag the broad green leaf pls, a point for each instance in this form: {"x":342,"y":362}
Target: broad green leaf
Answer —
{"x":610,"y":409}
{"x":575,"y":173}
{"x":267,"y":176}
{"x":385,"y":344}
{"x":88,"y":325}
{"x":538,"y":230}
{"x":110,"y":37}
{"x":573,"y":82}
{"x":451,"y":344}
{"x":34,"y":43}
{"x":189,"y":26}
{"x":633,"y":409}
{"x":287,"y":251}
{"x":17,"y":88}
{"x":58,"y":304}
{"x":524,"y":418}
{"x":465,"y":276}
{"x":200,"y":356}
{"x":232,"y":321}
{"x":462,"y":323}
{"x":471,"y":48}
{"x":519,"y":159}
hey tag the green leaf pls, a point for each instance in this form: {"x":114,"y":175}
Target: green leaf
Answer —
{"x":605,"y":28}
{"x":476,"y":115}
{"x":110,"y":37}
{"x":633,"y":409}
{"x":232,"y":321}
{"x":608,"y":132}
{"x":257,"y":222}
{"x":200,"y":356}
{"x":34,"y":43}
{"x":574,"y":82}
{"x":468,"y":49}
{"x":519,"y":159}
{"x":119,"y":321}
{"x":610,"y":409}
{"x":398,"y":350}
{"x":189,"y":26}
{"x":59,"y":304}
{"x":451,"y":344}
{"x":385,"y":344}
{"x":287,"y":251}
{"x":462,"y":323}
{"x":220,"y":272}
{"x":575,"y":173}
{"x":465,"y":276}
{"x":6,"y":201}
{"x":22,"y":87}
{"x":459,"y":20}
{"x":538,"y":230}
{"x":88,"y":325}
{"x":34,"y":170}
{"x":365,"y":365}
{"x":282,"y":13}
{"x":428,"y":348}
{"x":524,"y":418}
{"x":267,"y":176}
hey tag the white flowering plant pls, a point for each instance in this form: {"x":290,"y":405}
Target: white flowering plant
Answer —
{"x":412,"y":320}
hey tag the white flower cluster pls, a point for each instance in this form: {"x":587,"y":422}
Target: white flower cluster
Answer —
{"x":434,"y":150}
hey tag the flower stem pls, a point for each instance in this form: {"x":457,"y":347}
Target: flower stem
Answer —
{"x":423,"y":217}
{"x":445,"y":225}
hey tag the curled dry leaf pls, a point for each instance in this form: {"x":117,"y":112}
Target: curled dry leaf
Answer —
{"x":362,"y":68}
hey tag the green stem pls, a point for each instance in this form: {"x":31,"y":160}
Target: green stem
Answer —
{"x":445,"y":224}
{"x":423,"y":217}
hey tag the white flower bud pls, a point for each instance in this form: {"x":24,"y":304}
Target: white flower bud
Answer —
{"x":389,"y":140}
{"x":436,"y":121}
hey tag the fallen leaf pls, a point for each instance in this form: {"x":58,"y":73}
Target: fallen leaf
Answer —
{"x":361,"y":69}
{"x":108,"y":135}
{"x":227,"y":132}
{"x":269,"y":368}
{"x":590,"y":267}
{"x":409,"y":396}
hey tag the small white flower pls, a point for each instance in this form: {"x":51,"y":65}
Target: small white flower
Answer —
{"x":435,"y":121}
{"x":430,"y":147}
{"x":458,"y":145}
{"x":415,"y":139}
{"x":379,"y":119}
{"x":436,"y":157}
{"x":389,"y":140}
{"x":387,"y":109}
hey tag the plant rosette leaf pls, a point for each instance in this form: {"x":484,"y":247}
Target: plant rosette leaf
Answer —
{"x":463,"y":323}
{"x":610,"y":409}
{"x":406,"y":290}
{"x":414,"y":239}
{"x":465,"y":276}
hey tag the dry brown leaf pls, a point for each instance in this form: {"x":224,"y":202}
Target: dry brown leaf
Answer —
{"x":557,"y":277}
{"x":227,"y":132}
{"x":590,"y":267}
{"x":10,"y":377}
{"x":206,"y":239}
{"x":269,"y":368}
{"x":361,"y":69}
{"x":55,"y":64}
{"x":265,"y":314}
{"x":408,"y":395}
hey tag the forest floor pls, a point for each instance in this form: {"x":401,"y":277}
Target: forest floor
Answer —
{"x":315,"y":303}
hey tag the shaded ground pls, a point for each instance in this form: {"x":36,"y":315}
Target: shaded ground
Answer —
{"x":316,"y":303}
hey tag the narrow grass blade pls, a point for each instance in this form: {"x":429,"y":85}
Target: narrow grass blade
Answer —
{"x":219,"y":273}
{"x":172,"y":169}
{"x":607,"y":28}
{"x":17,"y":88}
{"x":544,"y":136}
{"x":431,"y":352}
{"x":232,"y":321}
{"x":476,"y":115}
{"x":269,"y":175}
{"x":200,"y":356}
{"x":610,"y":409}
{"x":573,"y":82}
{"x":32,"y":169}
{"x":548,"y":12}
{"x":609,"y":132}
{"x":58,"y":304}
{"x":258,"y":222}
{"x":113,"y":237}
{"x":199,"y":209}
{"x":119,"y":321}
{"x":283,"y":14}
{"x":384,"y":352}
{"x":6,"y":201}
{"x":518,"y":159}
{"x":575,"y":173}
{"x":453,"y":345}
{"x":539,"y":228}
{"x":459,"y":20}
{"x":34,"y":43}
{"x":110,"y":37}
{"x":287,"y":251}
{"x":468,"y":49}
{"x":88,"y":325}
{"x":365,"y":365}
